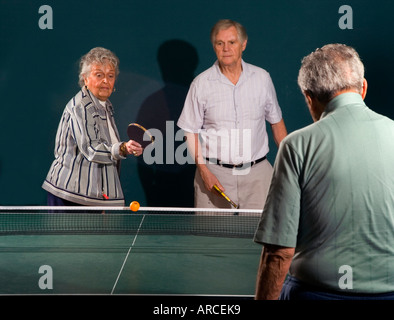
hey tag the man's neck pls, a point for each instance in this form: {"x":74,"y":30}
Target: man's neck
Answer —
{"x":232,"y":72}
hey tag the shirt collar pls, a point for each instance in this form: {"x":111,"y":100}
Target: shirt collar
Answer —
{"x":108,"y":104}
{"x":343,"y":100}
{"x":217,"y":73}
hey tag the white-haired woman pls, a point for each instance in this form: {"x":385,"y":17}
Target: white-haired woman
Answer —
{"x":88,"y":148}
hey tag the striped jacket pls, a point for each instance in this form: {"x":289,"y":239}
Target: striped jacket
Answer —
{"x":85,"y":169}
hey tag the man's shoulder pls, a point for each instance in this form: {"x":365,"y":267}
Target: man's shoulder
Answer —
{"x":254,"y":69}
{"x":303,"y":135}
{"x":206,"y":74}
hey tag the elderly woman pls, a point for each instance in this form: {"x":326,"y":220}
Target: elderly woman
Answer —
{"x":88,"y":149}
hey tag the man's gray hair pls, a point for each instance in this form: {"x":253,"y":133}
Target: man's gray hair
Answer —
{"x":96,"y":56}
{"x":224,"y":24}
{"x":330,"y":69}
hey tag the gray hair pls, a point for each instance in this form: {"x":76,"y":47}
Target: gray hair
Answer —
{"x":224,"y":24}
{"x":330,"y":69}
{"x":96,"y":56}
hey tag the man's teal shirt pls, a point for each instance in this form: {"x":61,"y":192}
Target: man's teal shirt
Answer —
{"x":332,"y":198}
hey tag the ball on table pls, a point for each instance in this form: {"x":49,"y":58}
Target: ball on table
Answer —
{"x":134,"y":206}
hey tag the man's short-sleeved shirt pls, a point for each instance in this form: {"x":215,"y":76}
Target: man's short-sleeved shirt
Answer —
{"x":231,"y":118}
{"x":332,"y":198}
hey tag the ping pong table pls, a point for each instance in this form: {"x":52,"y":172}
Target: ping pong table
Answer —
{"x":172,"y":252}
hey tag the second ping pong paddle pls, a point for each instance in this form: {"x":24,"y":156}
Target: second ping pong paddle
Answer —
{"x":225,"y":196}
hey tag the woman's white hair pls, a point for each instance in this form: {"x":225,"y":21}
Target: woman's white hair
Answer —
{"x":97,"y":55}
{"x":330,"y":69}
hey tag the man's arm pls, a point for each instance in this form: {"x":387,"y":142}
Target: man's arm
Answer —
{"x":274,"y":264}
{"x":194,"y":147}
{"x":279,"y":131}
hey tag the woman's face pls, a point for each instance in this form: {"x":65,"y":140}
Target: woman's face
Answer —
{"x":101,"y":80}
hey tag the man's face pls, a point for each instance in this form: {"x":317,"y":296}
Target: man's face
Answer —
{"x":228,"y":48}
{"x":101,"y":80}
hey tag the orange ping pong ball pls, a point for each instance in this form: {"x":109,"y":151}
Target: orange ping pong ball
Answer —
{"x":134,"y":206}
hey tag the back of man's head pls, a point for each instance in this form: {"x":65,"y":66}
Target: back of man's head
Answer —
{"x":329,"y":70}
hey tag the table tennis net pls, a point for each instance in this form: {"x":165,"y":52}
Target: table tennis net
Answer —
{"x":105,"y":220}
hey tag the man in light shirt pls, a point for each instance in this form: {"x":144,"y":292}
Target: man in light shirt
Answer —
{"x":224,"y":119}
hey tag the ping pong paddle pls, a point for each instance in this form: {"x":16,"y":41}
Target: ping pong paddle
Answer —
{"x":225,"y":196}
{"x":139,"y":134}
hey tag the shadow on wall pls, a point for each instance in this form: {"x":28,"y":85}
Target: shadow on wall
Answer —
{"x":168,"y":184}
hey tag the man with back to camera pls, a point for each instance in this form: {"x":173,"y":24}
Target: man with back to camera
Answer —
{"x":328,"y":224}
{"x":226,"y":108}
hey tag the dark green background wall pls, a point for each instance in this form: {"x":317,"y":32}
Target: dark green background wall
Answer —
{"x":39,"y":68}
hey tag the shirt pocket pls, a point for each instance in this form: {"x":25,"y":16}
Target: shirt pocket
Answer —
{"x":220,"y":112}
{"x":253,"y":108}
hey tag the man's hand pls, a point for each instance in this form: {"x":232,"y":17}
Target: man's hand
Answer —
{"x":274,"y":264}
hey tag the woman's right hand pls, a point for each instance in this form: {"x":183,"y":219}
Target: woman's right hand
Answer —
{"x":134,"y":148}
